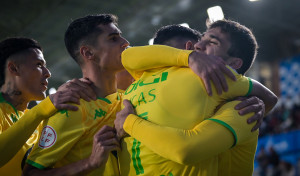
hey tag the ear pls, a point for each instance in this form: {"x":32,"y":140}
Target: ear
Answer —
{"x":13,"y":68}
{"x":189,"y":45}
{"x":86,"y":52}
{"x":235,"y":62}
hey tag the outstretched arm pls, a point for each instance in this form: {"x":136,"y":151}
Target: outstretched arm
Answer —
{"x":209,"y":68}
{"x":189,"y":146}
{"x":20,"y":132}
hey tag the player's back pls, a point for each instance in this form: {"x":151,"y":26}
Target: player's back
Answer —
{"x":174,"y":97}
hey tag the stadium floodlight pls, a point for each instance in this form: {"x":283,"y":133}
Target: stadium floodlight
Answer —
{"x":215,"y":13}
{"x":151,"y":41}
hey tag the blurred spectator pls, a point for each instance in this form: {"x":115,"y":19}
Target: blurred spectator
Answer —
{"x":286,"y":169}
{"x":273,"y":159}
{"x":263,"y":162}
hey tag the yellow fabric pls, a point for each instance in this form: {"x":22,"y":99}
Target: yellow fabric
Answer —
{"x":238,"y":160}
{"x":199,"y":144}
{"x":71,"y":135}
{"x":173,"y":97}
{"x":137,"y":65}
{"x":18,"y":134}
{"x":241,"y":156}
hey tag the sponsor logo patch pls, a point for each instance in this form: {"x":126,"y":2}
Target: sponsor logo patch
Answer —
{"x":48,"y":137}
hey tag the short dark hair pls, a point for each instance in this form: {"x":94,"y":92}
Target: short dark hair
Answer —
{"x":85,"y":30}
{"x":11,"y":46}
{"x":243,"y":42}
{"x":169,"y":32}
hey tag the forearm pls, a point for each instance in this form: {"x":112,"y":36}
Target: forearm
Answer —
{"x":207,"y":139}
{"x":81,"y":167}
{"x":182,"y":146}
{"x":20,"y":132}
{"x":142,"y":58}
{"x":267,"y":96}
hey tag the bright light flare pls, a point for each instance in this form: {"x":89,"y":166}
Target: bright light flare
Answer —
{"x":151,"y":41}
{"x":52,"y":90}
{"x":215,"y":13}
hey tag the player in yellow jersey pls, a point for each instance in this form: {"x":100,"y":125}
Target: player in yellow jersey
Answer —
{"x":196,"y":148}
{"x":24,"y":78}
{"x":66,"y":144}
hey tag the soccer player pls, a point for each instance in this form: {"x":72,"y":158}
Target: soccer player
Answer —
{"x":174,"y":98}
{"x":24,"y":78}
{"x":66,"y":145}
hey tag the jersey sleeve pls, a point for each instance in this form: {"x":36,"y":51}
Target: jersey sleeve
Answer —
{"x":235,"y":123}
{"x":58,"y":136}
{"x":138,"y":59}
{"x":205,"y":140}
{"x":241,"y":87}
{"x":20,"y":132}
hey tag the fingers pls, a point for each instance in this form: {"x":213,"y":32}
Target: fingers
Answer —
{"x":228,"y":72}
{"x":85,"y":90}
{"x":252,"y":104}
{"x":86,"y":80}
{"x":61,"y":100}
{"x":257,"y":117}
{"x":207,"y":86}
{"x":217,"y":83}
{"x":105,"y":129}
{"x":67,"y":107}
{"x":81,"y":88}
{"x":68,"y":98}
{"x":253,"y":108}
{"x":128,"y":106}
{"x":106,"y":136}
{"x":246,"y":102}
{"x":257,"y":125}
{"x":110,"y":142}
{"x":222,"y":80}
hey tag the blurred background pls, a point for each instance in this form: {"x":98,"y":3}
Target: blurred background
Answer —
{"x":275,"y":23}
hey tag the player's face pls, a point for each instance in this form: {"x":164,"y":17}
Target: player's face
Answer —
{"x":33,"y":76}
{"x":214,"y":42}
{"x":110,"y":44}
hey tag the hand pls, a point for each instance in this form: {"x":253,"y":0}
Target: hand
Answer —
{"x":252,"y":104}
{"x":121,"y":117}
{"x":71,"y":92}
{"x":104,"y":142}
{"x":79,"y":88}
{"x":213,"y":68}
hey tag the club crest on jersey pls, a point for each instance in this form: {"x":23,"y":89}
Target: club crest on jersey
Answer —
{"x":48,"y":137}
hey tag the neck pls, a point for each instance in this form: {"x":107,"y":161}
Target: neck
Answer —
{"x":104,"y":82}
{"x":12,"y":95}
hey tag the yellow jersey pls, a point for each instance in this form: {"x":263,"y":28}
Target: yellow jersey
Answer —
{"x":226,"y":133}
{"x":67,"y":136}
{"x":10,"y":116}
{"x":172,"y":97}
